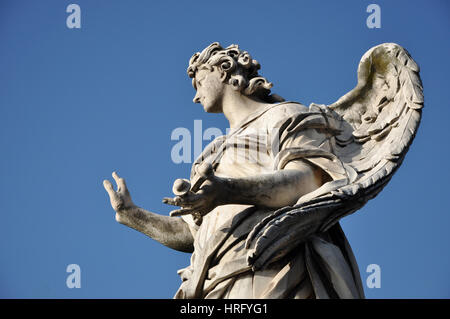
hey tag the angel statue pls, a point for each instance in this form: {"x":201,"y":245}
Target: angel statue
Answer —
{"x":260,"y":213}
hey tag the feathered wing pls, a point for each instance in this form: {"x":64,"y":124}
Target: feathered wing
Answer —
{"x":379,"y":119}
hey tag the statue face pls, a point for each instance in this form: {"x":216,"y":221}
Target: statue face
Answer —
{"x":210,"y":89}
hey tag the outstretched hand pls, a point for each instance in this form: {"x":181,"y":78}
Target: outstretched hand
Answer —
{"x":198,"y":199}
{"x":121,"y":198}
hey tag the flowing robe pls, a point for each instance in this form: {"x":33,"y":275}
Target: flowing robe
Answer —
{"x":321,"y":266}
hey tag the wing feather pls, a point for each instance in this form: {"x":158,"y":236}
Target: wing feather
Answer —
{"x":380,"y":118}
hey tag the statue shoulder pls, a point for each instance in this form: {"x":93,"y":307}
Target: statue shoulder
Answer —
{"x":283,"y":111}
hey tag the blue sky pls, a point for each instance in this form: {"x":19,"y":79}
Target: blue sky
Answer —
{"x":76,"y":104}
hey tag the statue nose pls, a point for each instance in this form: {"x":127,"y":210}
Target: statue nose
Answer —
{"x":196,"y":98}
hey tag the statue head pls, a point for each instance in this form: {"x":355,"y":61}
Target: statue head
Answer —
{"x":216,"y":66}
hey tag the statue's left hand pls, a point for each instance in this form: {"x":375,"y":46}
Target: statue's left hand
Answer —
{"x":208,"y":196}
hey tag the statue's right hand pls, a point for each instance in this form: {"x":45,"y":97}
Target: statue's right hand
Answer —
{"x":120,"y":199}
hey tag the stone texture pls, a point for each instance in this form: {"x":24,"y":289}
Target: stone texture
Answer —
{"x":260,"y":212}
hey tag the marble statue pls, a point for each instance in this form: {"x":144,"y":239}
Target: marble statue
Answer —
{"x":260,"y":213}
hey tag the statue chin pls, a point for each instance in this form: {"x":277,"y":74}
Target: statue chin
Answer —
{"x":212,"y":108}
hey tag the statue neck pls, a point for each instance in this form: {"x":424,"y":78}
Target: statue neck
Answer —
{"x":236,"y":106}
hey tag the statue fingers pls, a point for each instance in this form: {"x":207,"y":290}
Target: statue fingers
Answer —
{"x":191,"y":199}
{"x":121,"y":185}
{"x":170,"y":201}
{"x":175,"y":201}
{"x":108,"y":187}
{"x":206,"y":170}
{"x":181,"y":212}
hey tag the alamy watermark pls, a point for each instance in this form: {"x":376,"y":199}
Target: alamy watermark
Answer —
{"x":374,"y":279}
{"x":73,"y":280}
{"x":257,"y":145}
{"x":374,"y":19}
{"x":73,"y":20}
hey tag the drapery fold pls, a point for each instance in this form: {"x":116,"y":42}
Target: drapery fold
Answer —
{"x":322,"y":266}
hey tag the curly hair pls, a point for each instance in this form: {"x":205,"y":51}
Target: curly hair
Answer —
{"x":241,"y":70}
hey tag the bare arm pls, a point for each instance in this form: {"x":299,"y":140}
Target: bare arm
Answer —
{"x":275,"y":190}
{"x":278,"y":189}
{"x":172,"y":232}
